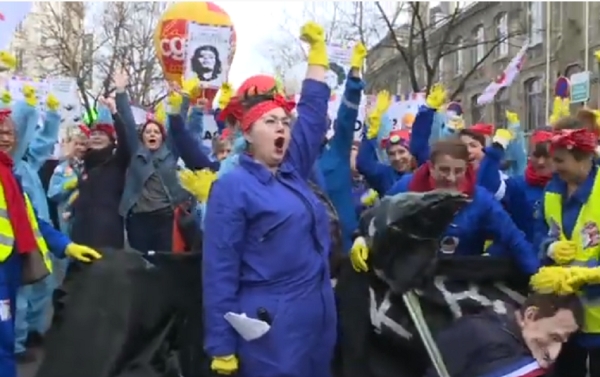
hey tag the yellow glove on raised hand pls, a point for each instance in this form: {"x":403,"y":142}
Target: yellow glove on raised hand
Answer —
{"x":565,"y":107}
{"x":583,"y":275}
{"x":29,"y":95}
{"x":359,"y":53}
{"x":5,"y":97}
{"x":359,"y":253}
{"x":7,"y":61}
{"x":369,"y":198}
{"x":191,"y":87}
{"x":502,"y":137}
{"x":374,"y":124}
{"x":225,"y":365}
{"x":73,"y":197}
{"x":174,"y":101}
{"x":52,"y":102}
{"x":82,"y":253}
{"x":562,"y":252}
{"x":313,"y":34}
{"x":512,"y":118}
{"x":554,"y":279}
{"x":70,"y":184}
{"x":383,"y":102}
{"x":226,"y":94}
{"x":436,"y":97}
{"x":197,"y":183}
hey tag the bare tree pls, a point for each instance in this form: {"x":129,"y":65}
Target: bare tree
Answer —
{"x":343,"y":23}
{"x":423,"y":44}
{"x":128,"y":29}
{"x":68,"y":49}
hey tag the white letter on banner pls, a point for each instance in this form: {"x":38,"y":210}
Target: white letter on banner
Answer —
{"x":379,"y":316}
{"x":453,"y":298}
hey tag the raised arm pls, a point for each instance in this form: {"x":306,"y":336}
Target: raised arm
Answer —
{"x":25,"y":117}
{"x":311,"y":126}
{"x":191,"y":152}
{"x":124,"y":109}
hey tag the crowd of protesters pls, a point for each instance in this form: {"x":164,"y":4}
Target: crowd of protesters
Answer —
{"x":260,"y":204}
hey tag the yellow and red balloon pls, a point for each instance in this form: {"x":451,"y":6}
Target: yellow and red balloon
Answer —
{"x":171,"y":35}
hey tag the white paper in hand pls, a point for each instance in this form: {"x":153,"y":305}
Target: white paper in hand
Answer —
{"x":248,"y":328}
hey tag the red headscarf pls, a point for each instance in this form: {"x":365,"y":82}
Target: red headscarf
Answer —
{"x":581,"y":139}
{"x":260,"y":83}
{"x":532,"y":176}
{"x":255,"y":112}
{"x":15,"y":202}
{"x":106,"y":128}
{"x":484,"y":129}
{"x":422,"y":181}
{"x":85,"y":130}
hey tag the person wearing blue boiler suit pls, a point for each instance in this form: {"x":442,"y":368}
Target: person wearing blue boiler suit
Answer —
{"x":22,"y":231}
{"x":266,"y":241}
{"x":449,"y":168}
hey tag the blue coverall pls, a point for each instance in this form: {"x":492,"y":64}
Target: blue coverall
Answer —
{"x":482,"y":217}
{"x":33,"y":147}
{"x":10,"y":283}
{"x":334,"y":161}
{"x":266,"y":248}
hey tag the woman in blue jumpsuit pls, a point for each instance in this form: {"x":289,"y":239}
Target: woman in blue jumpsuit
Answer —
{"x":266,"y":240}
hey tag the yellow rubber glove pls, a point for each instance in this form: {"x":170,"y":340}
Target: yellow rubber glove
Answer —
{"x":197,"y":183}
{"x":226,"y":94}
{"x":174,"y":101}
{"x":82,"y":253}
{"x":553,"y":279}
{"x":437,"y":97}
{"x":191,"y":87}
{"x":7,"y":61}
{"x":70,"y":184}
{"x":73,"y":197}
{"x":359,"y":53}
{"x":359,"y":253}
{"x":160,"y":114}
{"x":503,"y":137}
{"x":29,"y":95}
{"x":369,"y":198}
{"x":52,"y":102}
{"x":556,"y":110}
{"x":597,"y":55}
{"x":5,"y":97}
{"x":313,"y":34}
{"x":565,"y":107}
{"x":382,"y":104}
{"x":512,"y":118}
{"x":583,"y":275}
{"x":225,"y":365}
{"x":562,"y":252}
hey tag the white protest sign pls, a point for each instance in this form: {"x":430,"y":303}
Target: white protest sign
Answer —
{"x":207,"y":54}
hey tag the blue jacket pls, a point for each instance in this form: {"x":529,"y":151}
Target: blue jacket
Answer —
{"x":571,"y":209}
{"x":144,"y":163}
{"x":267,"y":236}
{"x":189,"y":146}
{"x":481,"y":219}
{"x":64,"y":172}
{"x":421,"y":134}
{"x":33,"y":147}
{"x":379,"y":176}
{"x":334,"y":161}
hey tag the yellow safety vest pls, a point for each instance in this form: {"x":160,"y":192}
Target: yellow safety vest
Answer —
{"x":7,"y":236}
{"x":585,"y":233}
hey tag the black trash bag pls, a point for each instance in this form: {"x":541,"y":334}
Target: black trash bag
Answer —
{"x":373,"y":320}
{"x":129,"y":316}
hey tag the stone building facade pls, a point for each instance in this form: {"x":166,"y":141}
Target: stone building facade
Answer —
{"x":484,"y":21}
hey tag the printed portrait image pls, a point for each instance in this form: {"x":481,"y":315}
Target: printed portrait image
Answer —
{"x":206,"y":63}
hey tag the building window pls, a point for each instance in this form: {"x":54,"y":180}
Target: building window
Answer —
{"x":536,"y":22}
{"x":476,"y":110}
{"x":460,"y":58}
{"x":502,"y":35}
{"x":479,"y":48}
{"x":534,"y":104}
{"x":500,"y":107}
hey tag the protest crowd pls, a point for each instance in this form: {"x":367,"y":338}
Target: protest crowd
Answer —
{"x":290,"y":248}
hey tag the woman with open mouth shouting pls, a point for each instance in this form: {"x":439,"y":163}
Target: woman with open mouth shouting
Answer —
{"x":152,"y":190}
{"x":267,"y":241}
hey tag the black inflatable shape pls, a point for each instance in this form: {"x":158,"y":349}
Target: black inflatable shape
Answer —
{"x":129,"y":316}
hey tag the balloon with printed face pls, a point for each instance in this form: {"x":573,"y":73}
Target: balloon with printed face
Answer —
{"x":170,"y":36}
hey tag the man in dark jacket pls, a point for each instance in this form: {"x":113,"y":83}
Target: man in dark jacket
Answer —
{"x":524,"y":343}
